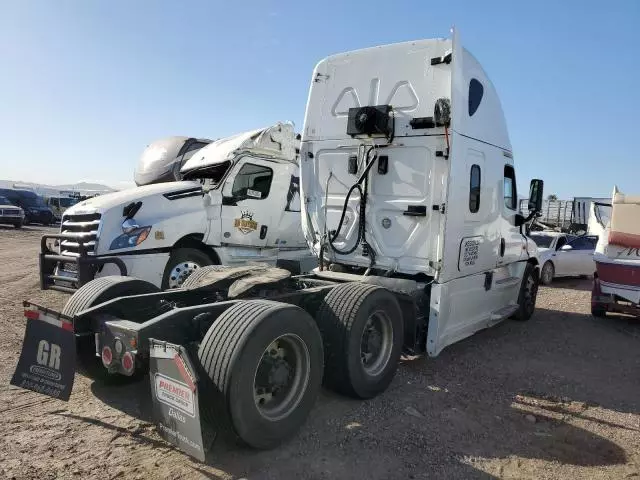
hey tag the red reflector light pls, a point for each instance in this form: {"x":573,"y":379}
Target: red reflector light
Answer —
{"x":32,"y":314}
{"x":107,"y":356}
{"x":127,"y":362}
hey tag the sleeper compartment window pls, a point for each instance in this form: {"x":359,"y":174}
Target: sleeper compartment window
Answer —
{"x":474,"y":189}
{"x":510,"y":194}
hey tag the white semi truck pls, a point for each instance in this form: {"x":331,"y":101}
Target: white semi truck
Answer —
{"x":409,"y":201}
{"x":238,"y":203}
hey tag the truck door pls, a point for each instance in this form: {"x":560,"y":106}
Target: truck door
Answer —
{"x":247,"y":203}
{"x":512,"y":245}
{"x":576,"y":257}
{"x":286,"y":231}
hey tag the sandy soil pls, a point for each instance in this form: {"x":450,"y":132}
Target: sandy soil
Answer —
{"x":555,"y":397}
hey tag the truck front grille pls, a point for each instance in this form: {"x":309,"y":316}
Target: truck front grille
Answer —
{"x":10,"y":212}
{"x":84,"y":227}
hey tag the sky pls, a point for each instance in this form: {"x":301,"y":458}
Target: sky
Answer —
{"x":86,"y":85}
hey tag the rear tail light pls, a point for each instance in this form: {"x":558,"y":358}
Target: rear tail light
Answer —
{"x":32,"y":314}
{"x":107,"y":356}
{"x":128,"y":363}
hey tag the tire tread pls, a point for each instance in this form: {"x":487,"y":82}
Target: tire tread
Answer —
{"x":336,"y":317}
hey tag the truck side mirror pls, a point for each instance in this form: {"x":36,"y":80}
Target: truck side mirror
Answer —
{"x":535,"y":195}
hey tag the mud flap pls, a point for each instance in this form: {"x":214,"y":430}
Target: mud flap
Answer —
{"x":174,"y":391}
{"x":48,"y":358}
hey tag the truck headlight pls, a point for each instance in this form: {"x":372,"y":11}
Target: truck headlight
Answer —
{"x":131,"y":239}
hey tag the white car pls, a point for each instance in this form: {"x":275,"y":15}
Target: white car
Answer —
{"x":564,"y":255}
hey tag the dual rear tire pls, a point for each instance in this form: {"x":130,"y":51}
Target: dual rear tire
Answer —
{"x":267,"y":360}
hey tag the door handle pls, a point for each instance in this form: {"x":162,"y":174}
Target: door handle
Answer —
{"x":415,"y":211}
{"x":263,"y":232}
{"x":502,"y":247}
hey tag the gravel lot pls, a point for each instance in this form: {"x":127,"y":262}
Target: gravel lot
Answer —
{"x":555,"y":397}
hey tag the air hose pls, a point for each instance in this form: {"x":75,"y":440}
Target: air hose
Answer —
{"x":361,"y":224}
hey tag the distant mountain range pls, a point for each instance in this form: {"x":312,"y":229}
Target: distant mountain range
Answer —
{"x":49,"y":190}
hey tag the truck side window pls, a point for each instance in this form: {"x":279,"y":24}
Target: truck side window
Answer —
{"x":510,"y":194}
{"x":252,"y":181}
{"x":584,"y":243}
{"x":474,"y":189}
{"x":475,"y":95}
{"x":562,"y":241}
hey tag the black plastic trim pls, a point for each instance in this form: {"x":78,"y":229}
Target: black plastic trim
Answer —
{"x":415,"y":211}
{"x":188,"y":192}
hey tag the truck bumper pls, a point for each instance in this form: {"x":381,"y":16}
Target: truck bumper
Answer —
{"x":68,"y":273}
{"x":12,"y":219}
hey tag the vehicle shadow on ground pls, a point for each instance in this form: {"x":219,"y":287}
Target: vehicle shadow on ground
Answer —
{"x":132,"y":397}
{"x":540,"y":395}
{"x":573,"y":283}
{"x":512,"y":392}
{"x":30,"y":228}
{"x":137,"y":433}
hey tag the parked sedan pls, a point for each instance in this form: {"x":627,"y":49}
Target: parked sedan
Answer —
{"x":564,"y":255}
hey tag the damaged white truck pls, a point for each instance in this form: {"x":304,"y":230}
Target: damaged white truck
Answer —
{"x":238,"y":202}
{"x":409,"y":201}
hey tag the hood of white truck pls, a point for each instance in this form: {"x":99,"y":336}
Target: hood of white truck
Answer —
{"x":124,"y":197}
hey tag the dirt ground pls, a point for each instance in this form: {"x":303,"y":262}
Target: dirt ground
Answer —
{"x":555,"y":397}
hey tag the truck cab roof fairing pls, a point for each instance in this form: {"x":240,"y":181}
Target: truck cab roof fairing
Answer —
{"x":411,"y":87}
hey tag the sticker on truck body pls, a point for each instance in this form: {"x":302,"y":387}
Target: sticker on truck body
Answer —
{"x":48,"y":357}
{"x":246,"y":224}
{"x":469,"y":252}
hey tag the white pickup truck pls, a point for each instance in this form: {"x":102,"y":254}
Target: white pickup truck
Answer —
{"x":239,"y":203}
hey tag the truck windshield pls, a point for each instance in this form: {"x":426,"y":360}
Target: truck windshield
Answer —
{"x":33,"y":200}
{"x":603,"y":213}
{"x":67,"y":202}
{"x":542,"y":241}
{"x":213,"y":173}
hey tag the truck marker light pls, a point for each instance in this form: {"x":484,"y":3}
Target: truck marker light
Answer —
{"x":143,"y":236}
{"x":107,"y":356}
{"x":32,"y":314}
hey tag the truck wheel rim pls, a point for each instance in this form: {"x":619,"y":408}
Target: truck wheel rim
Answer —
{"x":376,"y":343}
{"x":281,"y":377}
{"x":180,"y":272}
